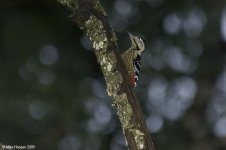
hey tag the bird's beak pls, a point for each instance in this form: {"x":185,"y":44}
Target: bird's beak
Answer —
{"x":133,"y":44}
{"x":130,"y":35}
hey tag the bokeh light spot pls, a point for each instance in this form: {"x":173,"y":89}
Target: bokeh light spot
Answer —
{"x":171,"y":100}
{"x":178,"y":61}
{"x":70,"y":142}
{"x":86,"y":43}
{"x":37,"y":109}
{"x":46,"y":77}
{"x":172,"y":24}
{"x":223,"y":24}
{"x":220,"y":127}
{"x":123,"y":7}
{"x":154,"y":123}
{"x":48,"y":55}
{"x":194,"y":22}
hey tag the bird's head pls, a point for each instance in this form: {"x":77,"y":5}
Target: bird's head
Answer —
{"x":137,"y":43}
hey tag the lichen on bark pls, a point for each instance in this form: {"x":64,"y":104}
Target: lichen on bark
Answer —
{"x":124,"y":110}
{"x":95,"y":31}
{"x":107,"y":60}
{"x":139,"y":138}
{"x":71,"y":4}
{"x":100,"y":8}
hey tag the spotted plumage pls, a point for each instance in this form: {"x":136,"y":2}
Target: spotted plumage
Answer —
{"x":132,"y":58}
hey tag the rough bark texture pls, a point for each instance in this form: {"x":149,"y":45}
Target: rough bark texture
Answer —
{"x":90,"y":16}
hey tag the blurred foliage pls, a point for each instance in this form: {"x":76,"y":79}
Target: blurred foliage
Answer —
{"x":52,"y":93}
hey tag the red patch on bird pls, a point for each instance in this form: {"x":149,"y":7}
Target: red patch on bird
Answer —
{"x":133,"y":81}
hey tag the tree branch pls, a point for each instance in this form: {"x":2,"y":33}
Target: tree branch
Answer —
{"x":90,"y":16}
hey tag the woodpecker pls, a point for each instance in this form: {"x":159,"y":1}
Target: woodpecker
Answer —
{"x":132,"y":58}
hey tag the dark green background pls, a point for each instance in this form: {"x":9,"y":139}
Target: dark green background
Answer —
{"x":52,"y":93}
